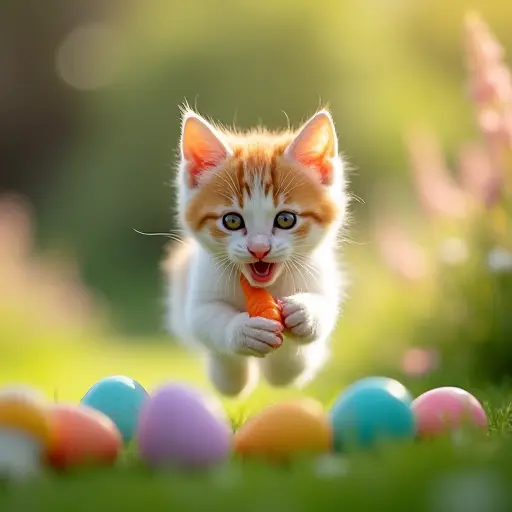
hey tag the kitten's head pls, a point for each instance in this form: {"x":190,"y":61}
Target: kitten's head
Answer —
{"x":260,"y":200}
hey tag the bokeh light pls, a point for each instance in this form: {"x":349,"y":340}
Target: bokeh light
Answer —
{"x":453,"y":251}
{"x":90,"y":56}
{"x":82,"y":171}
{"x":420,"y":361}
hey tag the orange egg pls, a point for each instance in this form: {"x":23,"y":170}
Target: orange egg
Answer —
{"x":285,"y":430}
{"x":82,"y":435}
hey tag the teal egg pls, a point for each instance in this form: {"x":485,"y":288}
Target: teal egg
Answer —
{"x":372,"y":410}
{"x":120,"y":398}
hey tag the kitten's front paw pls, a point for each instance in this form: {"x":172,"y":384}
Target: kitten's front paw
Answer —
{"x":254,"y":336}
{"x":299,"y":318}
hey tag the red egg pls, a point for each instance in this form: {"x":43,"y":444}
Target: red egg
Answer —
{"x":442,"y":410}
{"x":82,"y":436}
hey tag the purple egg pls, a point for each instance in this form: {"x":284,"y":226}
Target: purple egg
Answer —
{"x":180,"y":427}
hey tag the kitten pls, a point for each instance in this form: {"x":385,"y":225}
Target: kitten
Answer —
{"x":269,"y":205}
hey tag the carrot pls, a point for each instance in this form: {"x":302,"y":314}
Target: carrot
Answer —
{"x":259,"y":302}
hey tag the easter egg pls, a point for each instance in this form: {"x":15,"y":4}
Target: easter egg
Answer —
{"x":179,"y":427}
{"x":445,"y":409}
{"x":22,"y":392}
{"x":285,"y":430}
{"x":25,"y":433}
{"x":82,"y":435}
{"x":370,"y":411}
{"x":120,"y":398}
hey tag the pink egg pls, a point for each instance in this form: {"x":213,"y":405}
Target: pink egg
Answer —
{"x":445,"y":409}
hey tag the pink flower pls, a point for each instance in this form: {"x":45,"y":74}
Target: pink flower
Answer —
{"x":477,"y":175}
{"x":490,"y":82}
{"x":420,"y":361}
{"x":401,"y":254}
{"x":438,"y":192}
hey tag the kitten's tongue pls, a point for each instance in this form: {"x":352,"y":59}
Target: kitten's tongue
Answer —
{"x":261,"y":268}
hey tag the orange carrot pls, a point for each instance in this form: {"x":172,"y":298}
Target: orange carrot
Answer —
{"x":259,"y":302}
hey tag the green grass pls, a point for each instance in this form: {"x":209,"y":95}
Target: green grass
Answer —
{"x":409,"y":478}
{"x":462,"y":473}
{"x":419,"y":476}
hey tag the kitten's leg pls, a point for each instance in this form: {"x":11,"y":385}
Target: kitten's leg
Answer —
{"x":294,"y":364}
{"x":232,"y":375}
{"x":310,"y":319}
{"x":230,"y":338}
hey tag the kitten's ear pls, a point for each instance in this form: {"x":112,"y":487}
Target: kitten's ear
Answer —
{"x":202,"y":147}
{"x":316,"y":145}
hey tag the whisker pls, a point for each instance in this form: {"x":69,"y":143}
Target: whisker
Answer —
{"x":236,"y":185}
{"x":287,"y":272}
{"x":289,"y":184}
{"x":226,"y":195}
{"x":285,"y":182}
{"x":171,"y":236}
{"x":232,"y":275}
{"x":230,"y":184}
{"x":345,"y":240}
{"x":299,"y":267}
{"x":357,"y":198}
{"x":302,"y":260}
{"x":222,"y":267}
{"x":300,"y":273}
{"x":228,"y":271}
{"x":291,"y":273}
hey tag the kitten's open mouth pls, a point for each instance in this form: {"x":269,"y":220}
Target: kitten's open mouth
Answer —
{"x":262,"y":271}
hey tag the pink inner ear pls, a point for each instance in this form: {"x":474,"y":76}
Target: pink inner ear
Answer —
{"x":201,"y":148}
{"x":321,"y":164}
{"x":197,"y":166}
{"x":315,"y":146}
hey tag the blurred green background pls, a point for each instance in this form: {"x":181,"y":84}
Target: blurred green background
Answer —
{"x":89,"y":125}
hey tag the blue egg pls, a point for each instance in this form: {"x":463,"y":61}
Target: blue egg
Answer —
{"x":370,"y":411}
{"x":120,"y":398}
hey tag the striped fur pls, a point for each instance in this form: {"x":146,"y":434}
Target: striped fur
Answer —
{"x":257,"y":175}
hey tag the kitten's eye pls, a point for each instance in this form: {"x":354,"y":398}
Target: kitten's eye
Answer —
{"x":233,"y":221}
{"x":285,"y":220}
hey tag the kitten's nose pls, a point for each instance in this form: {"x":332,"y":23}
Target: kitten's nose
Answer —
{"x":258,"y":246}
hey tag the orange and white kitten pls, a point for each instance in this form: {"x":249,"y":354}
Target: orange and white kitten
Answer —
{"x":270,"y":206}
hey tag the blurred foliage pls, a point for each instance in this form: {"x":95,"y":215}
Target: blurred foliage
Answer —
{"x":245,"y":62}
{"x":427,"y":304}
